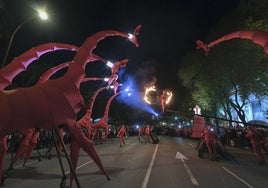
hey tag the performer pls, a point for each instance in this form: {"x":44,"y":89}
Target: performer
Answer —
{"x":140,"y":133}
{"x":163,"y":100}
{"x":147,"y":134}
{"x":256,"y":142}
{"x":27,"y":133}
{"x":122,"y":133}
{"x":32,"y":144}
{"x":210,"y":138}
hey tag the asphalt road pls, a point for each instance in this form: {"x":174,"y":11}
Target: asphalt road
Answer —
{"x":171,"y":163}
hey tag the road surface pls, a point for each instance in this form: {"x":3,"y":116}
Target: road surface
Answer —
{"x":172,"y":163}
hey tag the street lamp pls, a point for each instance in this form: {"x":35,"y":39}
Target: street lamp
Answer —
{"x":41,"y":14}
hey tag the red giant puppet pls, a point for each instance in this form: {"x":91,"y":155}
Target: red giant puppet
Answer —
{"x":86,"y":122}
{"x":60,"y":98}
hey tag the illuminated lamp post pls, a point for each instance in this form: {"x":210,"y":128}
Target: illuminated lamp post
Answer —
{"x":41,"y":14}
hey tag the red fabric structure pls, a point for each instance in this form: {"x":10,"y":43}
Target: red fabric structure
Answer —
{"x":20,"y":63}
{"x":198,"y":127}
{"x":86,"y":121}
{"x":54,"y":102}
{"x":258,"y":37}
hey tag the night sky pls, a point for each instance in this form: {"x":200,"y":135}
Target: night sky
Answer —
{"x":169,"y":30}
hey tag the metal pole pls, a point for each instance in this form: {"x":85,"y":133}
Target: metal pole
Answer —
{"x":11,"y":39}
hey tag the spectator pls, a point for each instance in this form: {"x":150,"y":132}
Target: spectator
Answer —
{"x":256,"y":142}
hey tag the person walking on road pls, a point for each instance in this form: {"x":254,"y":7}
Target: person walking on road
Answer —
{"x":140,"y":133}
{"x":122,"y":133}
{"x":147,"y":134}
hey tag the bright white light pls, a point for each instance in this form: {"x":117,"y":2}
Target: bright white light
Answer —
{"x":43,"y":15}
{"x":127,"y":89}
{"x":129,"y":94}
{"x":109,"y":64}
{"x":106,"y":79}
{"x":112,"y":86}
{"x":130,"y":36}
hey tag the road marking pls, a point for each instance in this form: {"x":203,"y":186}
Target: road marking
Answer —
{"x":84,"y":164}
{"x":190,"y":174}
{"x":180,"y":156}
{"x":237,"y":177}
{"x":149,"y":169}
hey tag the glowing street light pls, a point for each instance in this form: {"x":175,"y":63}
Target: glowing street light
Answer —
{"x":41,"y":14}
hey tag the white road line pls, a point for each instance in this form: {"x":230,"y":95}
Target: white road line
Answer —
{"x":190,"y":174}
{"x":149,"y":169}
{"x":237,"y":177}
{"x":84,"y":164}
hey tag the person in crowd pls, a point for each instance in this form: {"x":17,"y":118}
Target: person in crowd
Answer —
{"x":24,"y":145}
{"x":140,"y":133}
{"x":122,"y":133}
{"x":147,"y":134}
{"x":256,"y":142}
{"x":32,"y":145}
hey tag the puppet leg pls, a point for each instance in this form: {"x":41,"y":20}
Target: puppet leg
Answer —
{"x":74,"y":153}
{"x":87,"y":146}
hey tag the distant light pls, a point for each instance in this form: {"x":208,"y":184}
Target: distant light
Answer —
{"x":127,"y":89}
{"x":96,"y":120}
{"x":106,"y":79}
{"x":130,"y":36}
{"x":137,"y":126}
{"x":129,"y":94}
{"x":109,"y":64}
{"x":43,"y":15}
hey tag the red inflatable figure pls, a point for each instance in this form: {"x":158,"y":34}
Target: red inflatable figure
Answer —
{"x":53,"y":103}
{"x":122,"y":133}
{"x":103,"y":122}
{"x":21,"y":63}
{"x":256,"y":142}
{"x":258,"y":37}
{"x":86,"y":122}
{"x":118,"y":65}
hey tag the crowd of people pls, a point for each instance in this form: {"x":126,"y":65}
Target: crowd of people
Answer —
{"x":249,"y":137}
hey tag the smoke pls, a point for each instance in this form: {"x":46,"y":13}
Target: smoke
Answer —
{"x":133,"y":96}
